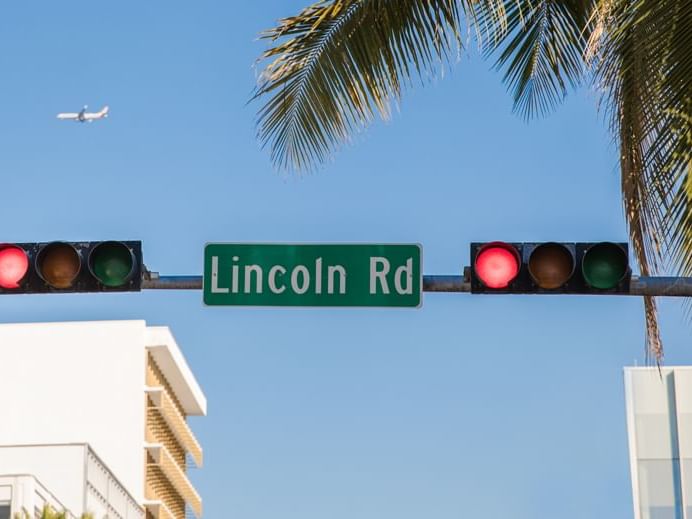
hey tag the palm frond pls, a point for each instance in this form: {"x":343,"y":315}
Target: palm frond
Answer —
{"x":340,"y":62}
{"x":670,"y":153}
{"x":541,"y":50}
{"x":644,"y":68}
{"x":628,"y":73}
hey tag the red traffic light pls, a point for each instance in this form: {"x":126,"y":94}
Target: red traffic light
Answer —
{"x":497,"y":264}
{"x":14,"y":264}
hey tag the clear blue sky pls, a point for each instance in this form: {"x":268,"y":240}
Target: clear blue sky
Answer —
{"x":471,"y":406}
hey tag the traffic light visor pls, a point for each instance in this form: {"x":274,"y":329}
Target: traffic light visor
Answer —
{"x":497,"y":264}
{"x":58,"y":264}
{"x":14,"y":264}
{"x":112,"y":263}
{"x":551,"y":265}
{"x":605,"y":265}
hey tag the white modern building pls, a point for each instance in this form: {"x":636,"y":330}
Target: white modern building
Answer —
{"x":24,"y":495}
{"x":659,"y":425}
{"x":119,"y":392}
{"x":75,"y":473}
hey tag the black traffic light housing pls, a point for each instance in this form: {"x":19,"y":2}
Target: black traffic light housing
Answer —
{"x":550,"y":268}
{"x":65,"y":267}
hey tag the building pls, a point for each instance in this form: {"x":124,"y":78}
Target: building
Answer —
{"x":659,"y":426}
{"x":121,"y":389}
{"x":75,"y":474}
{"x":23,"y":494}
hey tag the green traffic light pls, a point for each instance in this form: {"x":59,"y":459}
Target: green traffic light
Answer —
{"x":604,"y":265}
{"x":112,"y":263}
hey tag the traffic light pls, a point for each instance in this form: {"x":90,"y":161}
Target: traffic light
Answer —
{"x":60,"y":266}
{"x":550,"y":268}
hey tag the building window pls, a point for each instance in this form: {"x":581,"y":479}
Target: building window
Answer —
{"x":4,"y":511}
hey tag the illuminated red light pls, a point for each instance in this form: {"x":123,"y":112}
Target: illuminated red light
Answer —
{"x":497,"y":264}
{"x":14,"y":264}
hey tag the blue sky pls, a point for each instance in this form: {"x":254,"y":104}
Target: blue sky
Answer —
{"x":484,"y":407}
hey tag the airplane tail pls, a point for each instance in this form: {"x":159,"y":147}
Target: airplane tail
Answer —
{"x":104,"y":111}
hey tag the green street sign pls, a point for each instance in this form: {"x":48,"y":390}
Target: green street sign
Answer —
{"x":251,"y":274}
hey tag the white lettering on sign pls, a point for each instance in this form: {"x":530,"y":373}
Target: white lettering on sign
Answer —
{"x":215,"y":289}
{"x":404,"y":270}
{"x":318,"y":276}
{"x":249,"y":269}
{"x":300,"y":278}
{"x":272,"y":279}
{"x":379,"y":275}
{"x":303,"y":279}
{"x":301,"y":270}
{"x":331,"y":271}
{"x":234,"y":276}
{"x":403,"y":276}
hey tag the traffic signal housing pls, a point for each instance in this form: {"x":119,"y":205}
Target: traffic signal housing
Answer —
{"x":62,"y":267}
{"x":550,"y":268}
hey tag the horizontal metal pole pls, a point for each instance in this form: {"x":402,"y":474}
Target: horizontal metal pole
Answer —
{"x":639,"y":285}
{"x":430,"y":283}
{"x":157,"y":282}
{"x":661,"y":286}
{"x":445,"y":284}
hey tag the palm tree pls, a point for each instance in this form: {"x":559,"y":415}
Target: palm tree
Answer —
{"x":338,"y":63}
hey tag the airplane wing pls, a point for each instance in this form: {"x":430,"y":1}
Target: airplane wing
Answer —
{"x":68,"y":115}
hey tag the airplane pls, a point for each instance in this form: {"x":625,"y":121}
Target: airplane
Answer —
{"x":83,"y":116}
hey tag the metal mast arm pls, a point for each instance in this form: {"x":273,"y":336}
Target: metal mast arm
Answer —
{"x":639,"y":285}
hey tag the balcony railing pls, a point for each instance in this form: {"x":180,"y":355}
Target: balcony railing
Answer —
{"x":175,"y":475}
{"x":158,"y":509}
{"x":177,"y":423}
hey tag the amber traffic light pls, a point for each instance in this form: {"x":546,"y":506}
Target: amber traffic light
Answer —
{"x":551,"y":265}
{"x":550,"y":268}
{"x":61,"y":266}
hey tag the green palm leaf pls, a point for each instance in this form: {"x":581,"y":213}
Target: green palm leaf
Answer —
{"x":340,"y":62}
{"x":540,"y":49}
{"x":644,"y":70}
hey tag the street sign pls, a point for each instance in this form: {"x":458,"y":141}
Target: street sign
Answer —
{"x":250,"y":274}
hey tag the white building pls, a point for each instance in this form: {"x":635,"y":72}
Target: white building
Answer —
{"x":121,"y":387}
{"x":659,"y":425}
{"x":22,"y":494}
{"x":75,"y":473}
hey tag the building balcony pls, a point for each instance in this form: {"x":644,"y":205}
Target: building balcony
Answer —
{"x":161,"y":458}
{"x":176,"y":422}
{"x":158,"y":509}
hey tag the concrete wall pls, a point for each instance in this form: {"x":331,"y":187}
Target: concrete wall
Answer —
{"x":74,"y":383}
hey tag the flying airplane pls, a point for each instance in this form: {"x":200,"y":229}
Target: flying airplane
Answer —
{"x":83,"y":116}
